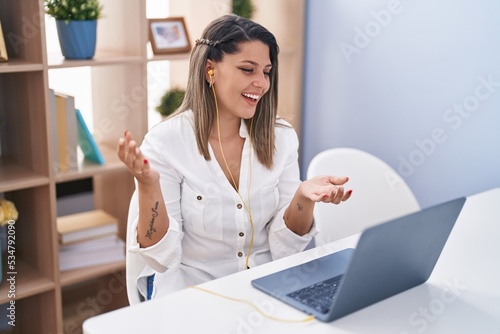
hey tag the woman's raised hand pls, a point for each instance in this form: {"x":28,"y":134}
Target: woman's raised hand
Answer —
{"x":130,"y":154}
{"x":327,"y":189}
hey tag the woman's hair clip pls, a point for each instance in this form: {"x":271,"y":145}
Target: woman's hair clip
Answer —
{"x":206,"y":42}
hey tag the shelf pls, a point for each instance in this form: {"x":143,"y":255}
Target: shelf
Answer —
{"x":34,"y":314}
{"x":87,"y":169}
{"x":177,"y":56}
{"x":91,"y":298}
{"x":80,"y":275}
{"x":74,"y":314}
{"x":15,"y":65}
{"x":29,"y":282}
{"x":102,"y":58}
{"x":15,"y":177}
{"x":114,"y":90}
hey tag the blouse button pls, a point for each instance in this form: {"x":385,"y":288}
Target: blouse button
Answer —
{"x":199,"y":198}
{"x":240,"y":254}
{"x":239,"y":206}
{"x":241,"y":234}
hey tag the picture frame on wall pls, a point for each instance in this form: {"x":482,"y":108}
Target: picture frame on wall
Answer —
{"x":169,"y":35}
{"x":3,"y":49}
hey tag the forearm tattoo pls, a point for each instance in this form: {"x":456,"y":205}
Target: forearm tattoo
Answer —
{"x":299,"y":207}
{"x":151,"y":230}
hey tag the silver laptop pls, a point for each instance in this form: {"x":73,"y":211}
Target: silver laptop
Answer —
{"x":389,"y":258}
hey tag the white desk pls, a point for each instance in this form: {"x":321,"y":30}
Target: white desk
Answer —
{"x":461,"y":296}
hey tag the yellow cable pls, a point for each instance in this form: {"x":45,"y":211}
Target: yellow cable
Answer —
{"x":264,"y":314}
{"x":250,"y":245}
{"x":247,"y":208}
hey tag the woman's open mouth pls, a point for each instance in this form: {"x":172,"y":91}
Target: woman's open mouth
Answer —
{"x":251,"y":98}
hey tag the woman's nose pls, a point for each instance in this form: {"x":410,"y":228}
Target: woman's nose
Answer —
{"x":260,"y":81}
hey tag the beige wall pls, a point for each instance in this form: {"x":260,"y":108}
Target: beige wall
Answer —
{"x":285,"y":19}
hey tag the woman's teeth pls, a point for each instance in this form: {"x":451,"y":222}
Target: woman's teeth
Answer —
{"x":251,"y":96}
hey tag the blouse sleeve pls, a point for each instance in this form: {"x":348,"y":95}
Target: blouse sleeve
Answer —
{"x":282,"y":240}
{"x":166,"y":253}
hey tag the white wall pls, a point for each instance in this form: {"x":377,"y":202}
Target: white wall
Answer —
{"x":416,"y":83}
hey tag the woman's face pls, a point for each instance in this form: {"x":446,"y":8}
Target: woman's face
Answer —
{"x":241,"y":79}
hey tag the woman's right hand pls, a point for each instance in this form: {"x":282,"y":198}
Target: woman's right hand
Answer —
{"x":153,"y":218}
{"x":130,"y":154}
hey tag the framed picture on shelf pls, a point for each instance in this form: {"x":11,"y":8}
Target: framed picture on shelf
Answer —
{"x":169,"y":35}
{"x":3,"y":49}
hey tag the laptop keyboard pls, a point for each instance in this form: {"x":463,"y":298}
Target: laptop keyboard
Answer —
{"x":318,"y":296}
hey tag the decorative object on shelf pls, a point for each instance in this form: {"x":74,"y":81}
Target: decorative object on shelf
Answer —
{"x":3,"y":49}
{"x":86,"y":141}
{"x":8,"y":212}
{"x":243,"y":8}
{"x":170,"y":101}
{"x":169,"y":35}
{"x":76,"y":22}
{"x":8,"y":215}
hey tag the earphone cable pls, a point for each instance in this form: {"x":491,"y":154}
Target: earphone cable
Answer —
{"x":247,"y":208}
{"x":264,"y":314}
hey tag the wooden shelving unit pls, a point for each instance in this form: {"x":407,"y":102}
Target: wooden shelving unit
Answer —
{"x":46,"y":300}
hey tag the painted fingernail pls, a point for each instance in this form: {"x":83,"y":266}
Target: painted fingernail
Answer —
{"x":145,"y":161}
{"x":325,"y":196}
{"x":349,"y":192}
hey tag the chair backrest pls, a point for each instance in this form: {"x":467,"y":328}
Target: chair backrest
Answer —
{"x":134,"y":263}
{"x":379,"y":193}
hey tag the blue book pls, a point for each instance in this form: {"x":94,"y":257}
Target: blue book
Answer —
{"x":86,"y":141}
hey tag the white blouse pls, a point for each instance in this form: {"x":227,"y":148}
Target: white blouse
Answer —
{"x":210,"y":230}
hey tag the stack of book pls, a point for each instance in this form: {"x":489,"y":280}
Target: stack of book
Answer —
{"x":88,"y":239}
{"x":70,"y":134}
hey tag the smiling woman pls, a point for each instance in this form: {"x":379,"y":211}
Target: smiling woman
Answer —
{"x":227,"y":196}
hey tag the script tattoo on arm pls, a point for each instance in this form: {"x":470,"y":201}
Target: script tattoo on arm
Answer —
{"x":299,"y":207}
{"x":151,"y":230}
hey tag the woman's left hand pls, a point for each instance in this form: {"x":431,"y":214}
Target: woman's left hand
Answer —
{"x":327,"y":189}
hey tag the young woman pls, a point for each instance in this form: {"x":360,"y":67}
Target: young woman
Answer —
{"x":218,"y":183}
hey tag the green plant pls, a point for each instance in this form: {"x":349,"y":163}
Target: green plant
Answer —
{"x":170,"y":101}
{"x":77,"y":10}
{"x":243,"y":8}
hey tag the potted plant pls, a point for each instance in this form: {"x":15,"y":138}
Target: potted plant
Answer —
{"x":170,"y":101}
{"x":243,"y":8}
{"x":76,"y":22}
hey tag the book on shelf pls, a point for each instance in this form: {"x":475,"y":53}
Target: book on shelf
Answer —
{"x":53,"y":119}
{"x":85,"y":225}
{"x":67,"y":140}
{"x":86,"y":141}
{"x":70,"y":132}
{"x":103,"y":250}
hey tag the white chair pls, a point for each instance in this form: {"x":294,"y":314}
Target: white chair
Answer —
{"x":379,"y":193}
{"x":134,"y":263}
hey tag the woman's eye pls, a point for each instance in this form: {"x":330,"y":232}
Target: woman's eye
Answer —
{"x":249,"y":70}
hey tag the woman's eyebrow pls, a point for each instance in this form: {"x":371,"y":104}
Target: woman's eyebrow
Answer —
{"x":254,"y":63}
